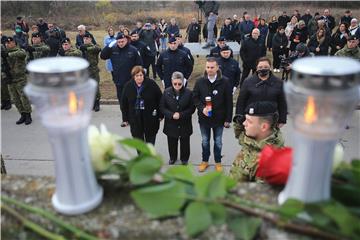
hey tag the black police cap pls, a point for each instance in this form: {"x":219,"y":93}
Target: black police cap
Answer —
{"x":35,"y":34}
{"x":220,"y":39}
{"x":225,"y":48}
{"x":120,"y":36}
{"x":66,"y":40}
{"x":172,"y":39}
{"x":261,"y":108}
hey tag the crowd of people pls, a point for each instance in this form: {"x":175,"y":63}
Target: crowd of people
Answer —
{"x":260,"y":107}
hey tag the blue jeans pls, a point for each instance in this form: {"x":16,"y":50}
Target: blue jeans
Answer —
{"x":205,"y":135}
{"x":163,"y":43}
{"x":210,"y":28}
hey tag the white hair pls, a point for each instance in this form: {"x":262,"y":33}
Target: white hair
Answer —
{"x":81,"y":27}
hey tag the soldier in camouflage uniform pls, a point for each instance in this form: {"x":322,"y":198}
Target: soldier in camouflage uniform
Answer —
{"x":68,"y":50}
{"x":259,"y":130}
{"x":91,"y":52}
{"x":351,"y":49}
{"x":5,"y":77}
{"x":38,"y":49}
{"x":17,"y":63}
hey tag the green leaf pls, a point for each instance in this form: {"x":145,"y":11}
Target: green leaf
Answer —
{"x":218,"y":213}
{"x":230,"y":183}
{"x":160,"y":200}
{"x":197,"y":218}
{"x":139,"y":145}
{"x":212,"y":185}
{"x":143,"y":170}
{"x":348,"y":194}
{"x":245,"y":228}
{"x":180,"y":172}
{"x":291,"y":208}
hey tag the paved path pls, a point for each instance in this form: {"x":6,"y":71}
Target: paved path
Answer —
{"x":26,"y":149}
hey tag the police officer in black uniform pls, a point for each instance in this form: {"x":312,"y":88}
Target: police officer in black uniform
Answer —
{"x":140,"y":46}
{"x":173,"y":60}
{"x":183,"y":48}
{"x":123,"y":58}
{"x":229,"y":67}
{"x":215,"y":52}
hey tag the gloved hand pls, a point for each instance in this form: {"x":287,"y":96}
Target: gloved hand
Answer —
{"x":30,"y":48}
{"x":112,"y":44}
{"x":61,"y":52}
{"x":83,"y":48}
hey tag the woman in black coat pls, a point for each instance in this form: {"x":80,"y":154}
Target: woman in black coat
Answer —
{"x":177,"y":106}
{"x":319,"y":43}
{"x":273,"y":26}
{"x":140,"y":106}
{"x":279,"y":47}
{"x":339,"y":38}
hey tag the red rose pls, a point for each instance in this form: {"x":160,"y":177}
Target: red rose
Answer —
{"x":274,"y":164}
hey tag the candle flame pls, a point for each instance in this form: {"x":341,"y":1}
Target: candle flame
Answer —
{"x":72,"y":103}
{"x":310,"y":114}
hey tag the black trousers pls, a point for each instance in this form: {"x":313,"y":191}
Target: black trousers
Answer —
{"x":245,"y":74}
{"x":184,"y":148}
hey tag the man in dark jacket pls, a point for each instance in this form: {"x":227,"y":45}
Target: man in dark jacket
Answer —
{"x":227,"y":30}
{"x":283,"y":19}
{"x":181,"y":47}
{"x":43,"y":27}
{"x":80,"y":36}
{"x":329,"y":20}
{"x":215,"y":52}
{"x":262,"y":86}
{"x":213,"y":100}
{"x":250,"y":51}
{"x":140,"y":46}
{"x":148,"y":36}
{"x":306,"y":17}
{"x":246,"y":26}
{"x":210,"y":9}
{"x":173,"y":60}
{"x":346,"y":18}
{"x":193,"y":31}
{"x":123,"y":58}
{"x":229,"y":68}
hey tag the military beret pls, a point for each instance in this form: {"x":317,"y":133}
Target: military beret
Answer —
{"x":225,"y":48}
{"x":120,"y":35}
{"x":66,"y":40}
{"x":172,"y":39}
{"x":35,"y":34}
{"x":352,"y":37}
{"x":221,"y":38}
{"x":88,"y":35}
{"x":261,"y":108}
{"x":9,"y":39}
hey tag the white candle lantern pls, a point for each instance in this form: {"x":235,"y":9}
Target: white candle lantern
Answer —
{"x":63,"y":94}
{"x":321,"y":96}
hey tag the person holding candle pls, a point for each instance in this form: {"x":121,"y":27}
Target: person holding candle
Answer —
{"x":260,"y":129}
{"x":263,"y":86}
{"x":217,"y":89}
{"x":16,"y":58}
{"x":177,"y":106}
{"x":140,"y":105}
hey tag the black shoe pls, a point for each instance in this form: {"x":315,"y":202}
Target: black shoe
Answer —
{"x":172,"y":161}
{"x":21,"y":119}
{"x":96,"y":107}
{"x":183,"y":162}
{"x":7,"y":105}
{"x":2,"y":105}
{"x":28,"y":119}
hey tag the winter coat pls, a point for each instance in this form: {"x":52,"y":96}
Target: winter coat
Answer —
{"x":324,"y":46}
{"x":227,"y":31}
{"x":347,"y":52}
{"x":221,"y":99}
{"x":299,"y":34}
{"x":148,"y":37}
{"x":254,"y":89}
{"x":193,"y":31}
{"x":283,"y":20}
{"x":245,"y":28}
{"x":230,"y":69}
{"x":279,"y":42}
{"x":250,"y":51}
{"x":215,"y":52}
{"x":123,"y":60}
{"x":181,"y":103}
{"x":173,"y":30}
{"x":306,"y":18}
{"x":146,"y":120}
{"x":337,"y":39}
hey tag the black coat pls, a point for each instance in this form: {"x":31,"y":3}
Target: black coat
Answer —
{"x":336,"y":40}
{"x":215,"y":52}
{"x":123,"y":60}
{"x":171,"y":61}
{"x":142,"y":121}
{"x":221,"y":98}
{"x":324,"y":47}
{"x":188,"y":52}
{"x":230,"y":69}
{"x":300,"y":34}
{"x":193,"y":31}
{"x":255,"y":89}
{"x":283,"y":20}
{"x":278,"y":41}
{"x":54,"y":44}
{"x":250,"y":52}
{"x":183,"y":104}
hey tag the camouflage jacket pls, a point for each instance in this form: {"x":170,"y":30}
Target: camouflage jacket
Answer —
{"x":347,"y":52}
{"x":92,"y":55}
{"x":245,"y":164}
{"x":73,"y":52}
{"x":17,"y":63}
{"x":41,"y":50}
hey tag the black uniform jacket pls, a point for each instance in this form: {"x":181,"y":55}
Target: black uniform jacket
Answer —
{"x":221,"y":98}
{"x":255,"y":89}
{"x":146,"y":120}
{"x":123,"y":60}
{"x":181,"y":103}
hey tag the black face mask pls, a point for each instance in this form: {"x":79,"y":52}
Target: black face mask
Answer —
{"x":263,"y":72}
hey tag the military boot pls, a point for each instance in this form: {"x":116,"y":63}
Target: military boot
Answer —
{"x":28,"y":119}
{"x":7,"y":105}
{"x":21,"y":119}
{"x":96,"y":107}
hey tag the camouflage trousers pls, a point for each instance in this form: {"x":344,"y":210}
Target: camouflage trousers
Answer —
{"x":96,"y":77}
{"x":5,"y":94}
{"x":18,"y":96}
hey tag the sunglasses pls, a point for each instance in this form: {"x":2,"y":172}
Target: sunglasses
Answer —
{"x":177,"y":84}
